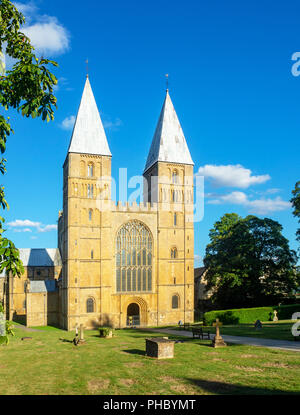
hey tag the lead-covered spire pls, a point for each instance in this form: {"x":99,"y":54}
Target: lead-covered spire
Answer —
{"x":168,"y":143}
{"x":88,"y":135}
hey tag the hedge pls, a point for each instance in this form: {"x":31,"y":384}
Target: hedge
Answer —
{"x":250,"y":315}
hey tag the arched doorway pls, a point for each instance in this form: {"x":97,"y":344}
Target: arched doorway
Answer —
{"x":133,"y":315}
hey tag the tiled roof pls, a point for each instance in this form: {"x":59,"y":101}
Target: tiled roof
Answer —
{"x":42,"y":286}
{"x":88,"y":135}
{"x":168,"y":143}
{"x":44,"y":257}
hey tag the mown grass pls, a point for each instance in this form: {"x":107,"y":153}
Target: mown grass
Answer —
{"x":50,"y":364}
{"x":280,"y":330}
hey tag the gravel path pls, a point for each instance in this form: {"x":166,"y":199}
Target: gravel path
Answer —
{"x":251,"y":341}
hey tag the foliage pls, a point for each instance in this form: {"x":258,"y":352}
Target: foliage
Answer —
{"x":27,"y":88}
{"x":8,"y":327}
{"x":105,"y":331}
{"x":249,"y":263}
{"x":250,"y":315}
{"x":296,"y":205}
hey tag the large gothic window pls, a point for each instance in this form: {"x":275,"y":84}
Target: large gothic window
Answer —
{"x":134,"y":258}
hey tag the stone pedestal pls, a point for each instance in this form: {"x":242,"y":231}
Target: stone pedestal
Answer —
{"x":218,"y":339}
{"x":160,"y":348}
{"x":81,"y":337}
{"x":218,"y":342}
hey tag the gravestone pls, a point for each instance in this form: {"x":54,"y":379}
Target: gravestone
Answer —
{"x":218,"y":339}
{"x":258,"y":325}
{"x":275,"y":318}
{"x":160,"y":348}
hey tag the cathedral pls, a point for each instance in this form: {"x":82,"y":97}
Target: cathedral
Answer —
{"x":117,"y":264}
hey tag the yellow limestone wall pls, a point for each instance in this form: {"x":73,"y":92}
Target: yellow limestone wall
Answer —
{"x":22,"y":306}
{"x":87,"y":245}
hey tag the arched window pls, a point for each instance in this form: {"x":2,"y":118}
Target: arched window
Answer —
{"x":175,"y":177}
{"x":175,"y":301}
{"x":92,"y":254}
{"x":174,"y":253}
{"x":90,"y":215}
{"x":90,"y":191}
{"x":134,"y":258}
{"x":90,"y":305}
{"x":90,"y":170}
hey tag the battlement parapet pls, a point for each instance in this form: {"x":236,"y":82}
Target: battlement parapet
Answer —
{"x":134,"y":207}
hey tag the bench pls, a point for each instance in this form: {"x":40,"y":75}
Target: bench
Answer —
{"x":200,"y":333}
{"x":185,"y":326}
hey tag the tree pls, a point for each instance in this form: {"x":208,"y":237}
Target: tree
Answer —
{"x":26,"y":88}
{"x":8,"y":328}
{"x":249,"y":263}
{"x":296,"y":205}
{"x":222,"y":227}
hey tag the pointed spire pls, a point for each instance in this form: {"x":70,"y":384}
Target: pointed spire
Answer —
{"x":168,"y":143}
{"x":88,"y":135}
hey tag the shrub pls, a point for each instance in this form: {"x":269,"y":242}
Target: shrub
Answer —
{"x":250,"y":315}
{"x":105,"y":331}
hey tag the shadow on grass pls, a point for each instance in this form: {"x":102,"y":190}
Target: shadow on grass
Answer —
{"x":223,"y":388}
{"x":66,"y":341}
{"x":135,"y":351}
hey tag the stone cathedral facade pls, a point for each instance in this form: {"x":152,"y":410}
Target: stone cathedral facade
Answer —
{"x":119,"y":264}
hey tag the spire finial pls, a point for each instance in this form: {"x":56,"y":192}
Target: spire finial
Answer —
{"x":87,"y":68}
{"x":167,"y":81}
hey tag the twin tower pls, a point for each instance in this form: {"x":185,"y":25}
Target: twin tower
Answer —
{"x":126,"y":265}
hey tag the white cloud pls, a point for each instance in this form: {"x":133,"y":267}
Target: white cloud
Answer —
{"x":24,"y":226}
{"x":231,"y":176}
{"x":29,"y":9}
{"x":23,"y":223}
{"x":47,"y":228}
{"x":259,"y":206}
{"x":111,"y":125}
{"x":263,"y":206}
{"x":272,"y":191}
{"x":22,"y":230}
{"x":47,"y":35}
{"x":62,"y":84}
{"x":68,"y":123}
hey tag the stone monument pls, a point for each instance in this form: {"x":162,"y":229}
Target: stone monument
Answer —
{"x":218,"y":339}
{"x":275,"y":318}
{"x":160,"y":348}
{"x":258,"y":325}
{"x":81,"y":337}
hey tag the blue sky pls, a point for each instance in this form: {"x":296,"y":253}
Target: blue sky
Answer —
{"x":231,"y":82}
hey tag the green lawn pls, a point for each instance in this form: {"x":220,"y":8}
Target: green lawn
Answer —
{"x":51,"y":364}
{"x":280,"y":330}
